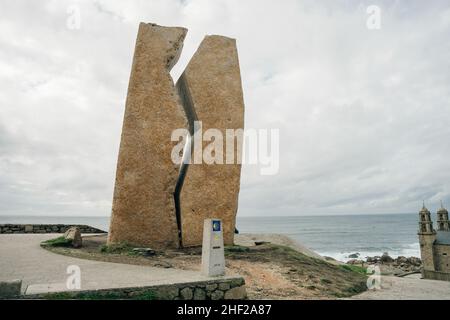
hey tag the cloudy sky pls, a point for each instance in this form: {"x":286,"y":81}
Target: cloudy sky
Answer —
{"x":363,"y":114}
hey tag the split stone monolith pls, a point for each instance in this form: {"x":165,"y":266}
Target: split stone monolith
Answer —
{"x":212,"y":92}
{"x":143,"y":211}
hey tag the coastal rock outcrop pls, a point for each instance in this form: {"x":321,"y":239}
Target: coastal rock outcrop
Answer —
{"x":396,"y":266}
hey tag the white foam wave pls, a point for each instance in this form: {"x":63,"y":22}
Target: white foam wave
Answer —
{"x":411,"y":250}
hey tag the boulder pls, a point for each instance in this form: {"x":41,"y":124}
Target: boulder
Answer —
{"x":401,"y":260}
{"x":414,"y":261}
{"x":353,"y":255}
{"x":373,"y":260}
{"x":386,"y":258}
{"x":74,"y":235}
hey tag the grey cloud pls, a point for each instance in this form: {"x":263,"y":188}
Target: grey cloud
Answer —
{"x":363,"y":115}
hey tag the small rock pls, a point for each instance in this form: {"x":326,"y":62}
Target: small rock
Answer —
{"x":401,"y":260}
{"x":236,"y":282}
{"x":199,"y":294}
{"x":353,"y":255}
{"x":414,"y":261}
{"x":145,"y":251}
{"x":224,"y":286}
{"x":217,"y":295}
{"x":237,"y":293}
{"x":168,"y":293}
{"x":259,"y":243}
{"x":211,"y":287}
{"x":74,"y":235}
{"x":163,"y":264}
{"x":186,"y":294}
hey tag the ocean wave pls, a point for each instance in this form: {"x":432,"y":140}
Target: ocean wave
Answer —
{"x":410,"y":250}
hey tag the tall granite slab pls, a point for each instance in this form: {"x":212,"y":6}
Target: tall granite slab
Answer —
{"x":143,"y":209}
{"x":211,"y":91}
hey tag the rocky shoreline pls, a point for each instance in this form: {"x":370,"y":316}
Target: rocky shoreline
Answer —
{"x":396,"y":266}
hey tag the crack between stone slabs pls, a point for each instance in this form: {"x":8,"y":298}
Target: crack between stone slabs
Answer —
{"x":188,"y":106}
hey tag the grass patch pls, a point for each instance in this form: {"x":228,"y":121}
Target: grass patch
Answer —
{"x":351,"y":290}
{"x":118,"y":248}
{"x":311,"y":273}
{"x":234,"y":249}
{"x":57,"y":242}
{"x":357,"y":288}
{"x":352,"y":268}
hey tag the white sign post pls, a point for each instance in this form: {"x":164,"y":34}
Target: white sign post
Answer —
{"x":213,"y":256}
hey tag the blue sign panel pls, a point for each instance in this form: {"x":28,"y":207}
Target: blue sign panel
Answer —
{"x":216,"y":225}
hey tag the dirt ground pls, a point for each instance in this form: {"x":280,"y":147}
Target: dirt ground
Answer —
{"x":271,"y":271}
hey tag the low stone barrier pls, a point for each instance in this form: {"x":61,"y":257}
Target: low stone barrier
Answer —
{"x":45,"y":228}
{"x":435,"y":275}
{"x":10,"y":289}
{"x":232,"y":288}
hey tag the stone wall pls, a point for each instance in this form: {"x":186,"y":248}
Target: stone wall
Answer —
{"x":436,"y":275}
{"x":216,"y":289}
{"x":426,"y":250}
{"x":45,"y":228}
{"x":442,"y":257}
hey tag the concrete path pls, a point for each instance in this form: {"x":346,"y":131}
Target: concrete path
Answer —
{"x":408,"y":288}
{"x":42,"y":271}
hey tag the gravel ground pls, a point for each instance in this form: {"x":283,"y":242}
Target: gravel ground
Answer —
{"x":408,"y":288}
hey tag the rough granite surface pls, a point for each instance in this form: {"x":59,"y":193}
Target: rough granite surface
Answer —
{"x":143,"y":209}
{"x":212,"y":79}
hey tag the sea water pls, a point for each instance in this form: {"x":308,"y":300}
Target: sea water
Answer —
{"x":333,"y":236}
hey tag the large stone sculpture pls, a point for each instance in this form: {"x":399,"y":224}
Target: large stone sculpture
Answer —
{"x":157,"y":203}
{"x":143,"y":211}
{"x":212,"y":82}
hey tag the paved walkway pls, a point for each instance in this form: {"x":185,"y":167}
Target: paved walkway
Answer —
{"x":408,"y":288}
{"x":42,"y":271}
